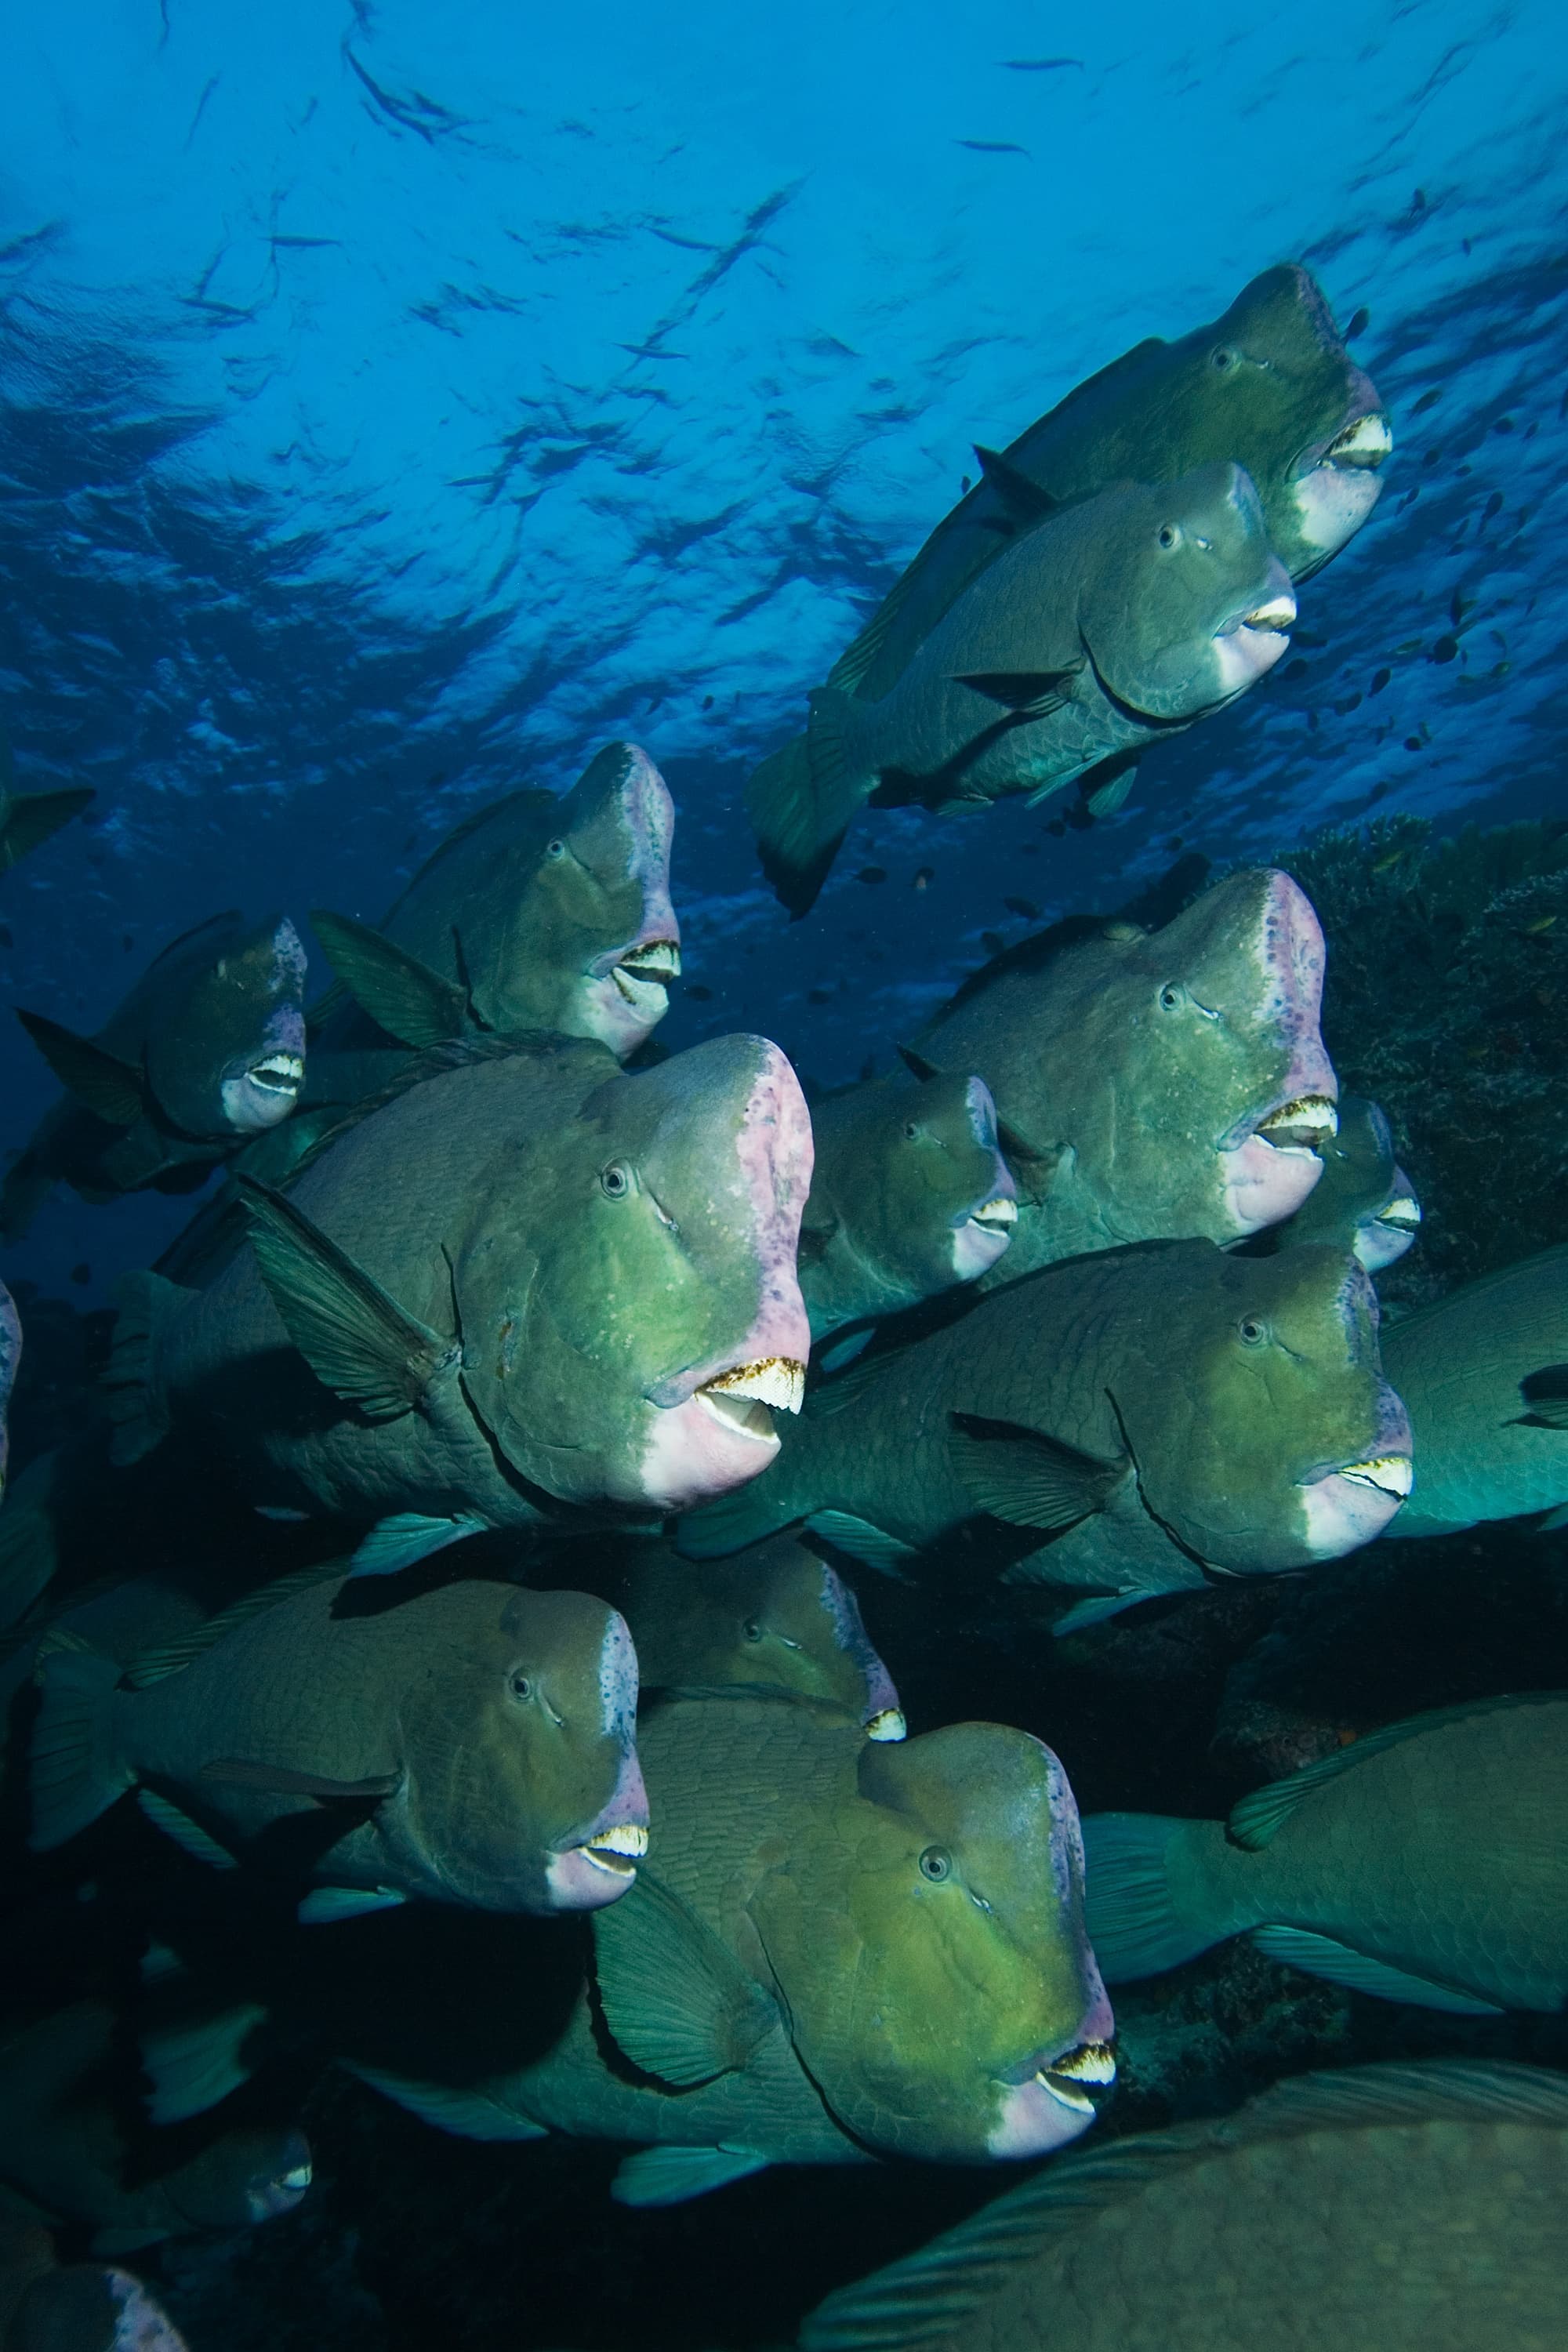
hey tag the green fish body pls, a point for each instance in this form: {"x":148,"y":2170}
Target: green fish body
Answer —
{"x":1484,"y":1374}
{"x":64,"y":2147}
{"x":206,"y":1053}
{"x":1363,"y":1202}
{"x":1427,"y":1862}
{"x":1146,"y":1410}
{"x":1152,"y":1085}
{"x":1382,"y":2209}
{"x":776,"y":1617}
{"x":910,"y":1195}
{"x":530,"y":1281}
{"x":473,"y":1744}
{"x":1268,"y":385}
{"x":542,"y":912}
{"x":1110,"y":625}
{"x":812,"y":1977}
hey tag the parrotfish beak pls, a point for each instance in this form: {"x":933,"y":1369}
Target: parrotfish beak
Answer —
{"x":1055,"y":2096}
{"x":1381,"y":1240}
{"x":598,"y":1864}
{"x":1347,"y":1504}
{"x":1338,"y":486}
{"x":1270,"y":1161}
{"x":981,"y":1232}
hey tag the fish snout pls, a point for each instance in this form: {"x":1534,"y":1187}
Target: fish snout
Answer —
{"x":1254,"y":637}
{"x":1349,"y":1503}
{"x":1383,"y":1238}
{"x":598,"y":1864}
{"x":1339,"y":485}
{"x":1056,"y":2095}
{"x":278,"y":2191}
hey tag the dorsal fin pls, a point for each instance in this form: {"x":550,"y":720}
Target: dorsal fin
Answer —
{"x":1026,"y":500}
{"x":1257,"y":1819}
{"x":860,"y":654}
{"x":172,"y":1657}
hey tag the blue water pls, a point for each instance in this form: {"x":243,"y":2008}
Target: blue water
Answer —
{"x":399,"y":401}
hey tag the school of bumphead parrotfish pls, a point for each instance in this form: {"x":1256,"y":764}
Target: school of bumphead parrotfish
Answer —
{"x":439,"y":1660}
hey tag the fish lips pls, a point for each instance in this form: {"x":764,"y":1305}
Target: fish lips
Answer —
{"x":596,"y":1864}
{"x":1054,"y":2096}
{"x":1346,"y":1504}
{"x":1339,"y":480}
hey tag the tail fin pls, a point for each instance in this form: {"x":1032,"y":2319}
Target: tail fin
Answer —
{"x":137,"y":1404}
{"x":801,"y":801}
{"x":1148,"y":1907}
{"x":734,"y":1521}
{"x":74,"y":1772}
{"x":32,"y":817}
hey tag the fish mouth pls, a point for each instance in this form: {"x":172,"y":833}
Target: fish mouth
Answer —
{"x":617,"y":1850}
{"x":888,"y":1723}
{"x":1278,"y":614}
{"x":1387,"y":1473}
{"x":1081,"y":2080}
{"x":746,"y":1398}
{"x":300,"y":2179}
{"x":1304,"y":1124}
{"x":1363,"y":446}
{"x":1403,"y":1215}
{"x":998,"y":1214}
{"x":279,"y":1073}
{"x":642,"y":976}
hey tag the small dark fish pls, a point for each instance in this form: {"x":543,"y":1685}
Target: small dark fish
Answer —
{"x":1503,"y":425}
{"x":82,"y":1273}
{"x":1427,"y":400}
{"x":1458,"y":606}
{"x":1311,"y":638}
{"x":1025,"y":906}
{"x":819,"y":996}
{"x":1040,"y":65}
{"x":1415,"y":743}
{"x":1445,"y":649}
{"x":994,"y":147}
{"x":1380,"y":681}
{"x":700,"y":995}
{"x":1359,"y":324}
{"x":1418,"y":201}
{"x":872,"y":873}
{"x":1493,"y":506}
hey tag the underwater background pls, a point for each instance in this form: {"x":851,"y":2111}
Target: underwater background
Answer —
{"x":397,"y":404}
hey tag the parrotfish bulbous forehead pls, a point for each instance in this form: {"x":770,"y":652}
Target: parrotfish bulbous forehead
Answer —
{"x":618,"y":822}
{"x":1263,"y":958}
{"x":1191,"y":604}
{"x":227,"y":1057}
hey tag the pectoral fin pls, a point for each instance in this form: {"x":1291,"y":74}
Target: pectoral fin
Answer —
{"x":872,"y":1546}
{"x":670,"y":2176}
{"x":111,"y":1089}
{"x":355,"y":1337}
{"x":416,"y":1006}
{"x":1027,"y":693}
{"x":1105,"y":789}
{"x":409,"y":1537}
{"x":1026,"y":1477}
{"x":676,"y":1998}
{"x":278,"y":1780}
{"x":325,"y":1905}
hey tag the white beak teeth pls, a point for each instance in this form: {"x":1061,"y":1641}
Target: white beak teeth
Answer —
{"x":299,"y":2179}
{"x":888,"y":1723}
{"x":1279,"y":615}
{"x":777,"y":1381}
{"x":281,"y":1074}
{"x":1403,"y":1214}
{"x":1366,"y":443}
{"x":1390,"y":1474}
{"x":617,"y":1850}
{"x":1067,"y":2095}
{"x":1092,"y":2062}
{"x":1302,"y":1125}
{"x":1002,"y":1210}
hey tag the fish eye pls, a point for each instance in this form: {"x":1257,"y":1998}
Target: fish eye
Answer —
{"x":911,"y":1129}
{"x":1222,"y":359}
{"x":1172,"y":996}
{"x":1170,"y":536}
{"x":751,"y":1630}
{"x":1251,"y":1331}
{"x":519,"y":1686}
{"x":554,"y":849}
{"x":936,"y":1864}
{"x":616,"y":1180}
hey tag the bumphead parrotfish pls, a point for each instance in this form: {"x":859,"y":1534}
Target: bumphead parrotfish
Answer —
{"x":542,"y":912}
{"x":1427,"y":1862}
{"x":206,"y":1052}
{"x":1153,"y":1085}
{"x":776,"y":1617}
{"x":474,"y":1743}
{"x":1413,"y":2209}
{"x":1111,"y":625}
{"x":1486,"y":1370}
{"x":530,"y":1281}
{"x":1153,"y":1412}
{"x":62,"y":2145}
{"x":910,"y":1195}
{"x":1363,"y":1202}
{"x":28,"y":819}
{"x":850,"y":1949}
